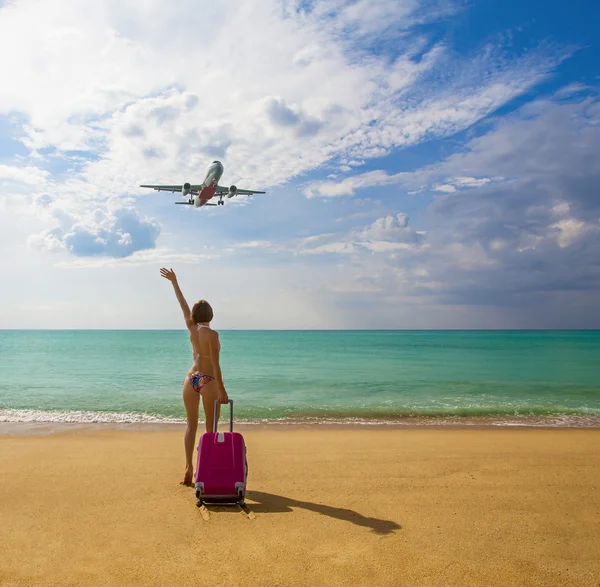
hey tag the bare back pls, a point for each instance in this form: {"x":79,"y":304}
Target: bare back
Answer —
{"x":201,"y":338}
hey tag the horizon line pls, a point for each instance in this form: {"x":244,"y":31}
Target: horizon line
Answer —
{"x":305,"y":329}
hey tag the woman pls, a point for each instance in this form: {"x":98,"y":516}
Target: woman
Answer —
{"x":204,"y":377}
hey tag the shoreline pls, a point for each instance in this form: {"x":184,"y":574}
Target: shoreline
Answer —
{"x":43,"y":427}
{"x":347,"y":420}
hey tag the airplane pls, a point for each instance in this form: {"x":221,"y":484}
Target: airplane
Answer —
{"x":200,"y":194}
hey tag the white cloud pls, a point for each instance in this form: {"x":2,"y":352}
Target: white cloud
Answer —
{"x":351,"y":184}
{"x":449,"y":189}
{"x":530,"y":240}
{"x":334,"y":247}
{"x":153,"y":258}
{"x":257,"y":244}
{"x":384,"y":235}
{"x":470,"y":182}
{"x":418,"y":180}
{"x":454,"y":183}
{"x":277,"y":90}
{"x":115,"y":232}
{"x":561,"y":209}
{"x":153,"y":108}
{"x":27,"y":174}
{"x":391,"y":229}
{"x":20,"y":185}
{"x":569,"y":230}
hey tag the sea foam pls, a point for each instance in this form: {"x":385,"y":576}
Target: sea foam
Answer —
{"x":100,"y":417}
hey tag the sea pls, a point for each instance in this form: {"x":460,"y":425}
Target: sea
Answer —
{"x":383,"y":377}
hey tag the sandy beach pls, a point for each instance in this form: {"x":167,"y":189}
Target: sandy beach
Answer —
{"x":332,"y":507}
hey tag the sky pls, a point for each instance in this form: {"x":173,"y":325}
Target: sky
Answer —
{"x":429,"y":164}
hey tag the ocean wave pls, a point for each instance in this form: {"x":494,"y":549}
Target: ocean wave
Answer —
{"x":84,"y":417}
{"x":91,"y":417}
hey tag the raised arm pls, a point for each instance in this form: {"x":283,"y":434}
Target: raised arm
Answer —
{"x":170,"y":275}
{"x":215,"y":348}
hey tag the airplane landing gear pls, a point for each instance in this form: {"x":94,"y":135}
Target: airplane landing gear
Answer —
{"x":221,"y":202}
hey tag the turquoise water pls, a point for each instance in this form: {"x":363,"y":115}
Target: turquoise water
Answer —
{"x":305,"y":375}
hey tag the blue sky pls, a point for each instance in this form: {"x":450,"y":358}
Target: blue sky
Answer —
{"x":428,"y":163}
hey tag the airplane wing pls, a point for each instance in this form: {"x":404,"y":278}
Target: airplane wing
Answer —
{"x":224,"y":190}
{"x":173,"y":188}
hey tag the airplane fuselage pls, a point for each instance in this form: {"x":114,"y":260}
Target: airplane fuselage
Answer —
{"x":210,"y":183}
{"x":199,"y":194}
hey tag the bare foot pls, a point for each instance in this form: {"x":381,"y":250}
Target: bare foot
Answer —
{"x":187,"y":478}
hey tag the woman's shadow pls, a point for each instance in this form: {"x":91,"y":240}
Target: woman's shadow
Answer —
{"x":268,"y":503}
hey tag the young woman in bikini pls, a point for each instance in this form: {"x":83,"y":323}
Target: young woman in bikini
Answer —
{"x":204,"y":377}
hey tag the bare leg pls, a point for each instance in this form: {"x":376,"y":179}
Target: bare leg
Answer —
{"x":209,"y":396}
{"x":191,"y":400}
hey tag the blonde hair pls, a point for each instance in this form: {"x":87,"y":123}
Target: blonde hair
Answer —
{"x":202,"y":312}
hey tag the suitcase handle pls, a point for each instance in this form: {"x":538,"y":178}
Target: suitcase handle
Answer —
{"x":230,"y":402}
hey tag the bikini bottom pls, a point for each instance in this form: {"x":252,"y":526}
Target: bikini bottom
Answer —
{"x":199,"y":380}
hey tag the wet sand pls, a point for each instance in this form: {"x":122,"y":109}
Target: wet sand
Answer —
{"x":89,"y":506}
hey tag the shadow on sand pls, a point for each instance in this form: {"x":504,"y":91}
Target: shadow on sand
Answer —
{"x":267,"y":503}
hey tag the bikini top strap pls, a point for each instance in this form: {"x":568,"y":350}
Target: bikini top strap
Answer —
{"x":198,"y":327}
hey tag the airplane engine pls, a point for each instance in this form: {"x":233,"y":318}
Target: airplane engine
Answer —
{"x":232,"y":191}
{"x":187,"y":188}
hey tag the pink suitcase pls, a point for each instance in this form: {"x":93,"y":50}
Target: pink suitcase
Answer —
{"x":222,"y":468}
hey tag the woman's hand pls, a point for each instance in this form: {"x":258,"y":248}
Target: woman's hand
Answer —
{"x":222,"y":396}
{"x":169,"y":274}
